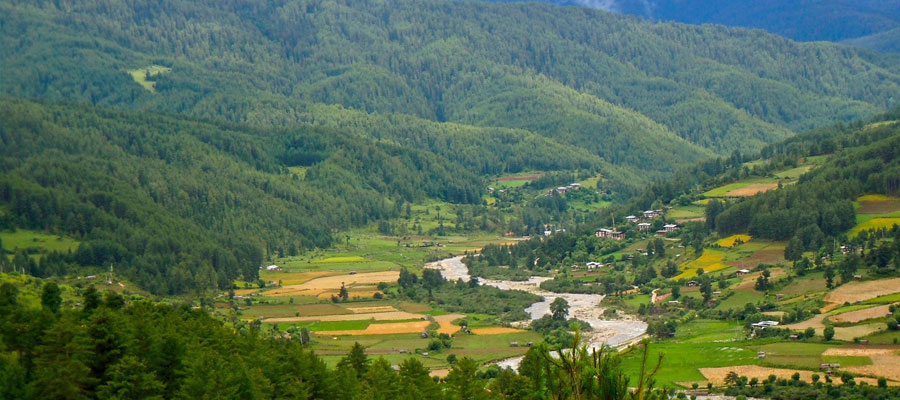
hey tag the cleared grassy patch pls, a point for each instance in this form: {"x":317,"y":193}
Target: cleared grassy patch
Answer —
{"x":686,"y":212}
{"x":37,"y":243}
{"x":142,"y":76}
{"x":681,"y":360}
{"x":707,"y":331}
{"x":848,"y":361}
{"x":740,"y":298}
{"x":347,"y":259}
{"x":340,"y":325}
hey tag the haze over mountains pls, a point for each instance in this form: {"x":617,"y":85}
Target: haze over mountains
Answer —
{"x":864,"y":23}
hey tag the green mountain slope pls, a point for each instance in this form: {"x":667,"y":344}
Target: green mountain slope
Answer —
{"x":622,"y":89}
{"x":180,"y":204}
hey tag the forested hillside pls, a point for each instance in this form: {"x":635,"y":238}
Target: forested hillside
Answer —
{"x":831,"y":20}
{"x":576,"y":85}
{"x":180,"y":205}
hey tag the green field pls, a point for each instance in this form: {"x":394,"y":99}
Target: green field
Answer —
{"x":140,"y":76}
{"x":686,"y":212}
{"x":36,"y":243}
{"x":482,"y":348}
{"x":692,"y":348}
{"x":793,"y":354}
{"x":886,"y":299}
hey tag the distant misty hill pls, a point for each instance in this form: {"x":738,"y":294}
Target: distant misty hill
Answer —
{"x":803,"y":20}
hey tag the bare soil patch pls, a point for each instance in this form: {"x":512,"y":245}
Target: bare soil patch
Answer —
{"x":383,"y":316}
{"x":816,"y":322}
{"x":317,"y":286}
{"x":373,"y":309}
{"x":440,"y":373}
{"x":413,"y":307}
{"x":885,"y":361}
{"x":717,"y":375}
{"x":381,"y":329}
{"x":878,"y":207}
{"x":860,"y":291}
{"x":851,"y":332}
{"x":765,"y":256}
{"x":749,"y":280}
{"x":751,"y":190}
{"x":495,"y":331}
{"x":446,"y":325}
{"x":293,"y":278}
{"x":862,"y":315}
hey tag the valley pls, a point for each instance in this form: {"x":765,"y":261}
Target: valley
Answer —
{"x":447,"y":200}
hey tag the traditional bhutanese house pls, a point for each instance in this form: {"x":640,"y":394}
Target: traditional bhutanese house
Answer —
{"x":610,"y":234}
{"x":561,"y":190}
{"x":651,"y":213}
{"x":574,"y":186}
{"x":643,"y":226}
{"x":273,"y":267}
{"x":632,"y":218}
{"x":742,"y":272}
{"x":670,"y":227}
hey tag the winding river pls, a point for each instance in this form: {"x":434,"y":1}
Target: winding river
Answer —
{"x":617,"y":333}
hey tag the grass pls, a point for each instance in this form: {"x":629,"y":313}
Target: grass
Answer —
{"x":348,"y":259}
{"x":886,"y":299}
{"x":140,"y":76}
{"x":798,"y":355}
{"x":848,"y":361}
{"x":729,"y":241}
{"x":686,"y":212}
{"x":739,"y":299}
{"x":884,"y":337}
{"x":36,"y":242}
{"x":635,"y":301}
{"x":681,"y":360}
{"x":794,"y":173}
{"x":481,"y":348}
{"x":705,"y":331}
{"x":341,"y":325}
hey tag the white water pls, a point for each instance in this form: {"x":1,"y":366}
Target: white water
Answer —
{"x":585,"y":307}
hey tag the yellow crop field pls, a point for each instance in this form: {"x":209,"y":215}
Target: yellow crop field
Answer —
{"x":710,"y":261}
{"x":874,"y":223}
{"x":729,"y":241}
{"x":876,"y":197}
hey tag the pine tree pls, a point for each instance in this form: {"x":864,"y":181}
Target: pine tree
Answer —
{"x":356,"y":359}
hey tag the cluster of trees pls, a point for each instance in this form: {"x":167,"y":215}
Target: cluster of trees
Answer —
{"x":465,"y":297}
{"x":838,"y":387}
{"x":180,"y":205}
{"x":112,"y":348}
